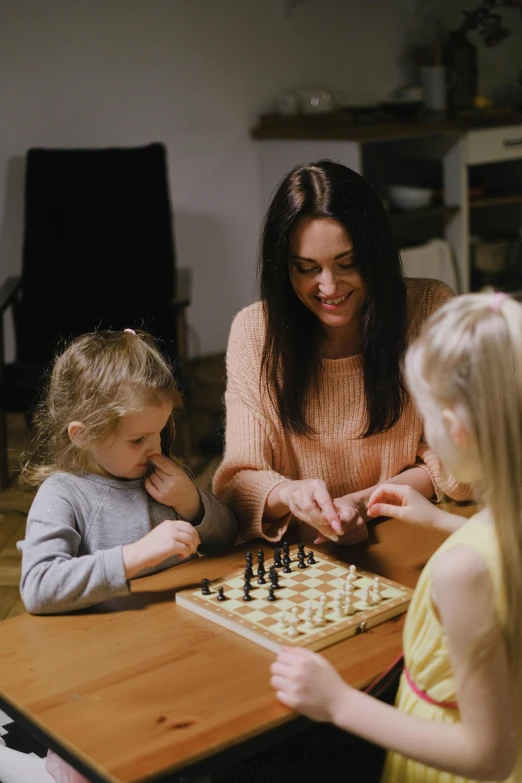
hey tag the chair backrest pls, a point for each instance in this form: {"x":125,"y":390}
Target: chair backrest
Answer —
{"x":98,"y":246}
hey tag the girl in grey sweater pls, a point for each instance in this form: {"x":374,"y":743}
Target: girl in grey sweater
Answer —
{"x":112,"y":503}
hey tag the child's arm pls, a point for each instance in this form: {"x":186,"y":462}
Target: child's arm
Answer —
{"x":401,"y":501}
{"x":214,"y":522}
{"x":483,"y":745}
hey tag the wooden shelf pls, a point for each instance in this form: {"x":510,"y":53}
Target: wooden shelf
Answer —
{"x":439,"y":211}
{"x":496,"y":201}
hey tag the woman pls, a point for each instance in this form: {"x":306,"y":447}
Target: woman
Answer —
{"x":317,"y":413}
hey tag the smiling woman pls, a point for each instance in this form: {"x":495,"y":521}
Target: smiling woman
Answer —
{"x":317,"y":411}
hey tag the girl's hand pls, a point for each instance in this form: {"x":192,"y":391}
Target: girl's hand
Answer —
{"x":306,"y":682}
{"x":352,"y":513}
{"x":171,"y":486}
{"x":171,"y":537}
{"x":401,"y":501}
{"x":310,"y":501}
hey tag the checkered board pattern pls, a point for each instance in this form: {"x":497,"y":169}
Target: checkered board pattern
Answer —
{"x":258,"y":620}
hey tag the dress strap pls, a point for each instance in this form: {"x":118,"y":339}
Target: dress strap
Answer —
{"x":449,"y":705}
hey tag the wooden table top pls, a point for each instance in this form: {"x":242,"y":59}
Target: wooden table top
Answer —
{"x":139,"y":688}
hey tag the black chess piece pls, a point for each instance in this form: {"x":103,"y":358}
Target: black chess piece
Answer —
{"x":301,"y":558}
{"x":205,"y":590}
{"x":300,"y":547}
{"x":271,"y":594}
{"x":310,"y":559}
{"x":246,"y":595}
{"x":286,"y":567}
{"x":261,"y":570}
{"x":274,"y":578}
{"x":248,"y":558}
{"x":286,"y":550}
{"x":249,"y":572}
{"x":277,"y":558}
{"x":221,"y":594}
{"x":260,"y":556}
{"x":261,"y":575}
{"x":247,"y":587}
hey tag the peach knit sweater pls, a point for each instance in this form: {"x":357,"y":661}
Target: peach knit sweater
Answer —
{"x":259,"y":453}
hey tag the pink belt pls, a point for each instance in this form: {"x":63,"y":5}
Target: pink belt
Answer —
{"x":449,"y":705}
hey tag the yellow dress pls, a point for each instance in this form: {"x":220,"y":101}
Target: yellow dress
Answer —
{"x":426,"y":652}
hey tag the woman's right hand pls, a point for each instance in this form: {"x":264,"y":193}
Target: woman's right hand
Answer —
{"x":401,"y":501}
{"x":310,"y":501}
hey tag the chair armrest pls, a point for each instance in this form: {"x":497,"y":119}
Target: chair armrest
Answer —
{"x":8,"y":292}
{"x":183,"y":288}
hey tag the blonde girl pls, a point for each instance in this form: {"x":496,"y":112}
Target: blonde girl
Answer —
{"x":112,"y":503}
{"x":459,"y":701}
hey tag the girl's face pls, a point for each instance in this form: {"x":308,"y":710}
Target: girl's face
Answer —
{"x":324,"y":271}
{"x":127,"y":453}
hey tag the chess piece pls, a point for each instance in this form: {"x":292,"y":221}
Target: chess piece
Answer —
{"x":205,"y":590}
{"x":348,"y":607}
{"x":246,"y":595}
{"x":348,"y":587}
{"x":221,"y":594}
{"x":247,"y":587}
{"x":308,"y":616}
{"x":293,"y":622}
{"x":286,"y":550}
{"x":249,"y":572}
{"x":365,"y":595}
{"x":271,"y":594}
{"x":337,"y":604}
{"x":376,"y":591}
{"x":274,"y":578}
{"x":283,"y":620}
{"x":310,"y":559}
{"x":261,"y":575}
{"x":301,"y":558}
{"x":260,"y":556}
{"x":286,"y":567}
{"x":352,"y":576}
{"x":300,"y":548}
{"x":277,"y":558}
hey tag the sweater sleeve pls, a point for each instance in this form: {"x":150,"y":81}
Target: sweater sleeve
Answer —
{"x":54,"y":578}
{"x":247,"y":473}
{"x":218,"y":528}
{"x":435,"y":295}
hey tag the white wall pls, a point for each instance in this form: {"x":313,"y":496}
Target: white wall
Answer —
{"x":193,"y":74}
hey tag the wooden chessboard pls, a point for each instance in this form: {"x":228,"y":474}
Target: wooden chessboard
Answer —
{"x":259,"y":619}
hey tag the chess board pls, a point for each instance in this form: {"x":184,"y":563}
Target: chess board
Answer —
{"x":260,"y":620}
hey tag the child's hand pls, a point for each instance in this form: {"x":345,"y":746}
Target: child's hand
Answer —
{"x":352,"y":514}
{"x":401,"y":501}
{"x":171,"y":537}
{"x":170,"y":485}
{"x":306,"y":682}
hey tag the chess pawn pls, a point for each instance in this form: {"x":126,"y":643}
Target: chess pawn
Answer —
{"x":365,"y":595}
{"x":283,"y":620}
{"x":293,"y":622}
{"x":348,"y":587}
{"x":352,"y":576}
{"x":348,"y":606}
{"x":337,"y":604}
{"x":308,"y":616}
{"x":376,"y":597}
{"x":319,"y":618}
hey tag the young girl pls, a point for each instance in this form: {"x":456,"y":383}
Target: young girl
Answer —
{"x":460,"y":695}
{"x":111,"y":503}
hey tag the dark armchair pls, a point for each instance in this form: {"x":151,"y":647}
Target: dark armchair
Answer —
{"x":98,"y":253}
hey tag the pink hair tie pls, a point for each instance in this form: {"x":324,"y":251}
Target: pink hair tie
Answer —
{"x":496,"y":302}
{"x":130,"y":331}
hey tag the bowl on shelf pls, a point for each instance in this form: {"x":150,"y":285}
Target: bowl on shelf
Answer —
{"x":407,"y":197}
{"x":402,"y":110}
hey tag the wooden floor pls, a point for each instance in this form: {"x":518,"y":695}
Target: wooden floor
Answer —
{"x":206,"y":388}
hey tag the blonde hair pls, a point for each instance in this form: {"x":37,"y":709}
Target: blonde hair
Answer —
{"x":100,"y":378}
{"x":470,"y":353}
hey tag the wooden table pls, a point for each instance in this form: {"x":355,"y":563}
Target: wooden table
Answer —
{"x":140,"y":689}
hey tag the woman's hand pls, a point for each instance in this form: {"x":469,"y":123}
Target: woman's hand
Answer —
{"x":170,"y":485}
{"x":306,"y":682}
{"x":353,"y":516}
{"x":310,"y":501}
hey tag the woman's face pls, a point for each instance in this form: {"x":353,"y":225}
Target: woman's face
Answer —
{"x":324,"y":271}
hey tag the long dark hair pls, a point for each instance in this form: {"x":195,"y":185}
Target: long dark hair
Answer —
{"x":291,"y":362}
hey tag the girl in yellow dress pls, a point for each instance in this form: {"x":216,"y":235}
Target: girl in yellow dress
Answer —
{"x":457,"y":715}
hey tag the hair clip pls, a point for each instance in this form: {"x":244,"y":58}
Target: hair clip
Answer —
{"x":496,"y":301}
{"x":130,"y":331}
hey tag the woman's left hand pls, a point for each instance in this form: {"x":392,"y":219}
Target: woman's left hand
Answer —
{"x":353,"y":516}
{"x":170,"y":485}
{"x":306,"y":682}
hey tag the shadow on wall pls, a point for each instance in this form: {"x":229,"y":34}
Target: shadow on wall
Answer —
{"x":11,"y":234}
{"x":221,"y":286}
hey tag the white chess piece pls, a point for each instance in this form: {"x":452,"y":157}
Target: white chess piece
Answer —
{"x":348,"y":587}
{"x":283,"y":620}
{"x":365,"y":595}
{"x":348,"y":607}
{"x":352,"y":576}
{"x":293,"y":622}
{"x":308,"y":616}
{"x":337,"y":604}
{"x":376,"y":591}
